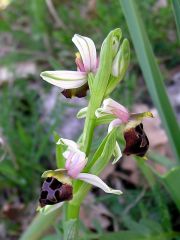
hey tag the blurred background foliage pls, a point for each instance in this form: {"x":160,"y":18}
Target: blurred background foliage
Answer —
{"x":36,"y":36}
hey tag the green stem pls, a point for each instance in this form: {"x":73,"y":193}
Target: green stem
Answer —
{"x":94,"y":103}
{"x":73,"y":208}
{"x":89,"y":127}
{"x":72,"y":211}
{"x":40,"y":225}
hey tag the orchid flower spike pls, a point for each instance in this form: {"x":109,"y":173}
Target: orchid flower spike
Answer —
{"x":136,"y":140}
{"x":74,"y":83}
{"x":57,"y":186}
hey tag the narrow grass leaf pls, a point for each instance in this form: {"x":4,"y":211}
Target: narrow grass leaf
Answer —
{"x":151,"y":72}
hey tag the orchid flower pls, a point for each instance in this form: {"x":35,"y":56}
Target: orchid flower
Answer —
{"x":136,"y":140}
{"x":57,"y":186}
{"x":74,"y":83}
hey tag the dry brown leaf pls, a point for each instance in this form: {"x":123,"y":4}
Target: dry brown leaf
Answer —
{"x":13,"y":211}
{"x":91,"y":212}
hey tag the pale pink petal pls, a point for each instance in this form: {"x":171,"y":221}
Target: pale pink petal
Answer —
{"x":79,"y":63}
{"x":65,"y":79}
{"x":75,"y":171}
{"x":113,"y":124}
{"x":78,"y":162}
{"x":112,"y":107}
{"x":68,"y":155}
{"x":96,"y":181}
{"x":87,"y":51}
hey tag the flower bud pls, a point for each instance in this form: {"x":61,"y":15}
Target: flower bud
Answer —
{"x":116,"y":43}
{"x":54,"y":191}
{"x":121,"y":60}
{"x":108,"y":50}
{"x":119,"y":66}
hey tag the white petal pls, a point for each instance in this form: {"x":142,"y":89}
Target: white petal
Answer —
{"x":117,"y":153}
{"x":96,"y":181}
{"x":82,"y":113}
{"x":113,"y":124}
{"x":87,"y":51}
{"x":100,"y":112}
{"x":68,"y":143}
{"x":65,"y":79}
{"x":109,"y":105}
{"x":116,"y":64}
{"x":50,"y":208}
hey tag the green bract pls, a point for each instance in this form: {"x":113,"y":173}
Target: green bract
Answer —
{"x":119,"y":66}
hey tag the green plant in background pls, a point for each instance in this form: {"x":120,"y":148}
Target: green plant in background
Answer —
{"x":155,"y":84}
{"x":152,"y":73}
{"x":22,"y":143}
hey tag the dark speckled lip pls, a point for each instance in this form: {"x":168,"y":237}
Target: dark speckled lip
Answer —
{"x":53,"y":191}
{"x":136,"y":141}
{"x":76,"y":92}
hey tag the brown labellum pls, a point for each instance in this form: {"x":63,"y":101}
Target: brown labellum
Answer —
{"x":136,"y":141}
{"x":76,"y":92}
{"x":53,"y":192}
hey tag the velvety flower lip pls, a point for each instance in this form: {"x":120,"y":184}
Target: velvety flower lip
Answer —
{"x":75,"y":82}
{"x":57,"y":186}
{"x":136,"y":141}
{"x":54,"y":191}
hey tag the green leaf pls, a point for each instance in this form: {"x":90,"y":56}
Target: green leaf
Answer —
{"x":51,"y":237}
{"x":171,"y":181}
{"x":163,"y":160}
{"x":99,"y":161}
{"x":10,"y":173}
{"x":40,"y":225}
{"x":71,"y":229}
{"x":176,"y":8}
{"x":132,"y":235}
{"x":59,"y":152}
{"x":151,"y":72}
{"x":144,"y":227}
{"x":102,"y":154}
{"x":105,"y":119}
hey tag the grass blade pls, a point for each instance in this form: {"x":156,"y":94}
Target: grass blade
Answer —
{"x":171,"y":182}
{"x":176,"y":8}
{"x":151,"y":72}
